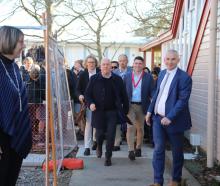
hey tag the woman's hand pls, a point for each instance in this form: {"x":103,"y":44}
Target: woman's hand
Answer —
{"x":92,"y":107}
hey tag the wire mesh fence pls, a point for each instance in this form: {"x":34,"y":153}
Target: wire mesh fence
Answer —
{"x":64,"y":137}
{"x":37,"y":114}
{"x":61,"y":112}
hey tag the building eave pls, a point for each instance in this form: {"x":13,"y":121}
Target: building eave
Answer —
{"x":199,"y":35}
{"x":171,"y":33}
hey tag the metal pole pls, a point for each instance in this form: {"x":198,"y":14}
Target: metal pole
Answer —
{"x":47,"y":96}
{"x":211,"y":84}
{"x":49,"y":115}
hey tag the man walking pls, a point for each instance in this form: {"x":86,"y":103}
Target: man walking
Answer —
{"x":106,"y":97}
{"x":121,"y":71}
{"x":139,"y":86}
{"x":170,"y":113}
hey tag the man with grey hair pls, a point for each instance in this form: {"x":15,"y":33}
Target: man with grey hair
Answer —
{"x":121,"y":71}
{"x":169,"y":110}
{"x":106,"y":97}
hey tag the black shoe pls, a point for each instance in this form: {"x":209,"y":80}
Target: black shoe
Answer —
{"x":108,"y":162}
{"x":138,"y":152}
{"x":98,"y":152}
{"x":116,"y":148}
{"x":79,"y":136}
{"x":167,"y":147}
{"x":87,"y":152}
{"x":131,"y":155}
{"x":94,"y":146}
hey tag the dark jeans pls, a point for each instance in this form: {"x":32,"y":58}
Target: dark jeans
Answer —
{"x":107,"y":132}
{"x":176,"y":140}
{"x":148,"y":133}
{"x":10,"y":165}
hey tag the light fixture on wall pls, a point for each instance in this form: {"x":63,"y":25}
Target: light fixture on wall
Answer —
{"x":195,"y":141}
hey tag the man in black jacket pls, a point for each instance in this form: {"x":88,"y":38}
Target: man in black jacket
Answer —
{"x":106,"y":97}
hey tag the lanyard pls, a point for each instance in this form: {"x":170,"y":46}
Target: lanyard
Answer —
{"x":133,"y":82}
{"x":13,"y":83}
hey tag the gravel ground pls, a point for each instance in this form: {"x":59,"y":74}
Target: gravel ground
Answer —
{"x":31,"y":176}
{"x":205,"y":176}
{"x":197,"y":167}
{"x":35,"y":176}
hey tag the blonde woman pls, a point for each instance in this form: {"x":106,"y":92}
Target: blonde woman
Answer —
{"x":15,"y":128}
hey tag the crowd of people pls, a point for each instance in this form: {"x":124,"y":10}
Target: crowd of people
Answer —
{"x":83,"y":72}
{"x":117,"y":106}
{"x":114,"y":101}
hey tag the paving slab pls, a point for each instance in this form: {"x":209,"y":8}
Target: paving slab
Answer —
{"x":34,"y":160}
{"x":123,"y":172}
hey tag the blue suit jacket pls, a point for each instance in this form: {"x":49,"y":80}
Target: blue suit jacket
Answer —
{"x":147,"y":87}
{"x":117,"y":71}
{"x":176,"y":106}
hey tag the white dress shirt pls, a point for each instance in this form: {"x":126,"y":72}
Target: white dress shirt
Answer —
{"x":162,"y":102}
{"x":91,"y":73}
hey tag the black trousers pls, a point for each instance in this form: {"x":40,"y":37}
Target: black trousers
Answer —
{"x":107,"y":132}
{"x":10,"y":165}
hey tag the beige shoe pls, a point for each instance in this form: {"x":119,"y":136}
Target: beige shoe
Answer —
{"x":174,"y":183}
{"x":155,"y":184}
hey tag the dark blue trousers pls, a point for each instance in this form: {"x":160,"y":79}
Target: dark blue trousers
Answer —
{"x":160,"y":135}
{"x":10,"y":162}
{"x":108,"y":131}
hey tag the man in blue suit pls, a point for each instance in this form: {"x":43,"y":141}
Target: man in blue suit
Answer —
{"x":171,"y":117}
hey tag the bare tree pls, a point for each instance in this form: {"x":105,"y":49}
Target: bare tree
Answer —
{"x":93,"y":23}
{"x":92,"y":15}
{"x":153,"y":21}
{"x":35,"y":8}
{"x":5,"y":16}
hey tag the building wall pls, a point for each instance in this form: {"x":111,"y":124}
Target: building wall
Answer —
{"x":188,"y":25}
{"x":148,"y":59}
{"x":73,"y":52}
{"x":218,"y":90}
{"x":199,"y":96}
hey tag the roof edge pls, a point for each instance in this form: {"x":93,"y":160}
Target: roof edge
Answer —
{"x":199,"y":35}
{"x":171,"y":33}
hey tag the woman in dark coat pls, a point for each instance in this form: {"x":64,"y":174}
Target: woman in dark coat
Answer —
{"x":15,"y":128}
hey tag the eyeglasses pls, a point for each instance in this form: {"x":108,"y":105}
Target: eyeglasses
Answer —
{"x":114,"y":67}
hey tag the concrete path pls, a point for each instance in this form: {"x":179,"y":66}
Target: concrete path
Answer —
{"x":123,"y":172}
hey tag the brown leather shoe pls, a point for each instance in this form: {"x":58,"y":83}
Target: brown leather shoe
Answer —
{"x":174,"y":183}
{"x":155,"y":184}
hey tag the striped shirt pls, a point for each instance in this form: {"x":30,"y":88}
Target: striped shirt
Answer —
{"x":14,"y":123}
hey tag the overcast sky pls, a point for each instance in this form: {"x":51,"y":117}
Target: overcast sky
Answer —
{"x":117,"y":30}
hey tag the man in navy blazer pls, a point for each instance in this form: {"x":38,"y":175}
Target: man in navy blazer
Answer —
{"x":139,"y":87}
{"x":171,"y":117}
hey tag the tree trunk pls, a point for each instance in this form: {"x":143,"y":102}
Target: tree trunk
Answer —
{"x":99,"y":48}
